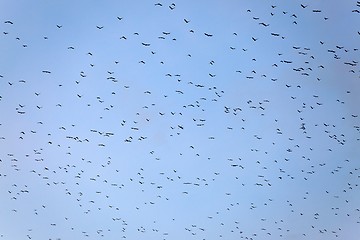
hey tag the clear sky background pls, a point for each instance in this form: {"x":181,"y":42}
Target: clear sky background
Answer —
{"x":179,"y":120}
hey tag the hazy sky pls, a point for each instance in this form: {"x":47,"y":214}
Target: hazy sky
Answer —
{"x":179,"y":120}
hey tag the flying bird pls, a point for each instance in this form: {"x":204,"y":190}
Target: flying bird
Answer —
{"x":172,"y":6}
{"x":98,"y":140}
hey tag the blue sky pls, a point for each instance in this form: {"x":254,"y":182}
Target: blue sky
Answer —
{"x":179,"y":120}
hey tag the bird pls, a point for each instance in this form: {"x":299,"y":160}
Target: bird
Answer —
{"x":172,"y":6}
{"x":171,"y":120}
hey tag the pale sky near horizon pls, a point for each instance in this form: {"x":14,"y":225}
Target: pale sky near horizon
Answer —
{"x":179,"y":120}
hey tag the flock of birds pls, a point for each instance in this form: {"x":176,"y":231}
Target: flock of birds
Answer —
{"x":168,"y":123}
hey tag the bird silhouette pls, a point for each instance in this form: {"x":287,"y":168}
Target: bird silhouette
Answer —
{"x":176,"y":134}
